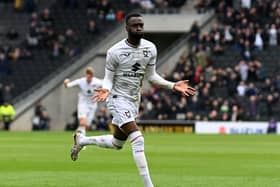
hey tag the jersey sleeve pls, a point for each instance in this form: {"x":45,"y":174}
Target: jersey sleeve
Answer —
{"x":156,"y":79}
{"x":74,"y":83}
{"x":154,"y":56}
{"x":153,"y":76}
{"x":111,"y":63}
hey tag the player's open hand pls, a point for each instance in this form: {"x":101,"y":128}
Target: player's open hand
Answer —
{"x":184,"y":88}
{"x":100,"y":95}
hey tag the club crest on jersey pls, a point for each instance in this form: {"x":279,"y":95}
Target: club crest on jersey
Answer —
{"x":146,"y":52}
{"x":127,"y":114}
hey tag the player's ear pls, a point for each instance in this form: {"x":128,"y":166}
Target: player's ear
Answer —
{"x":126,"y":28}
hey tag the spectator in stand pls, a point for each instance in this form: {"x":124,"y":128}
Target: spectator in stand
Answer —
{"x":46,"y":19}
{"x":241,"y":88}
{"x":7,"y":115}
{"x":102,"y":119}
{"x":119,"y":15}
{"x":276,"y":83}
{"x":246,"y":4}
{"x":41,"y":119}
{"x":253,"y":110}
{"x":213,"y":116}
{"x":18,"y":5}
{"x":92,"y":27}
{"x":101,"y":15}
{"x":259,"y":43}
{"x":272,"y":126}
{"x":246,"y":30}
{"x":4,"y":66}
{"x":7,"y":93}
{"x":273,"y":35}
{"x":228,"y":35}
{"x":110,"y":16}
{"x":1,"y":93}
{"x":243,"y":68}
{"x":251,"y":90}
{"x":92,"y":7}
{"x":270,"y":100}
{"x":104,"y":7}
{"x":57,"y":50}
{"x":147,"y":4}
{"x":236,"y":113}
{"x":72,"y":126}
{"x":194,"y":34}
{"x":71,"y":47}
{"x":33,"y":35}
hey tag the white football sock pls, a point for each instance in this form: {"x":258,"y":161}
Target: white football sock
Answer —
{"x":82,"y":130}
{"x":106,"y":141}
{"x":137,"y":142}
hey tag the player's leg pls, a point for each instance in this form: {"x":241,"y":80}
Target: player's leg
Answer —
{"x":137,"y":143}
{"x":80,"y":131}
{"x":7,"y":125}
{"x":115,"y":141}
{"x":90,"y":114}
{"x":107,"y":141}
{"x":82,"y":116}
{"x":82,"y":126}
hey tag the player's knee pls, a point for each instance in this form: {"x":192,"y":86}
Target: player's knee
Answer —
{"x":83,"y":122}
{"x":118,"y":144}
{"x":137,"y":141}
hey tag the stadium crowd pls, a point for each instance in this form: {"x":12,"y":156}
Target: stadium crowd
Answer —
{"x":45,"y":33}
{"x":240,"y":91}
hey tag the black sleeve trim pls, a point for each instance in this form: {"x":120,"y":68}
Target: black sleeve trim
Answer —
{"x":110,"y":70}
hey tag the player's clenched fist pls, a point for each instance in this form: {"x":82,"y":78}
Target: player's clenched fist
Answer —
{"x":65,"y":82}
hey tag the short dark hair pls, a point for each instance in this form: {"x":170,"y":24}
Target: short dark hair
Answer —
{"x":130,"y":15}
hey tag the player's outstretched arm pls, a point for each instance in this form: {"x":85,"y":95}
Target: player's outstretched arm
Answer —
{"x":101,"y":94}
{"x":180,"y":86}
{"x":184,"y":88}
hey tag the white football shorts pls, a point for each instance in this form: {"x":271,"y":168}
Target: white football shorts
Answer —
{"x":87,"y":111}
{"x":123,"y":110}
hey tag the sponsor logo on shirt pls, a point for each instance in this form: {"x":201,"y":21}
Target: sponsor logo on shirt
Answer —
{"x":133,"y":72}
{"x":136,"y":67}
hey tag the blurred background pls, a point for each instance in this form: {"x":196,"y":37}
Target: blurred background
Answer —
{"x":229,"y":50}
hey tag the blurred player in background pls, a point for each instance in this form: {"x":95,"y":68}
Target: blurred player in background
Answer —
{"x":127,"y":62}
{"x":86,"y":107}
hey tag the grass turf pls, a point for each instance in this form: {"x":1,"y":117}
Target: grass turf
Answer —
{"x":41,"y":159}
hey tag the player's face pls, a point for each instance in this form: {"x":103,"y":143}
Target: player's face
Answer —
{"x":89,"y":77}
{"x":135,"y":27}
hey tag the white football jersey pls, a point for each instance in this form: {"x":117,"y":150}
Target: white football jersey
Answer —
{"x":86,"y":89}
{"x":129,"y":65}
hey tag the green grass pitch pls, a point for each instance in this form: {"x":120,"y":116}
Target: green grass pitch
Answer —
{"x":41,"y":159}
